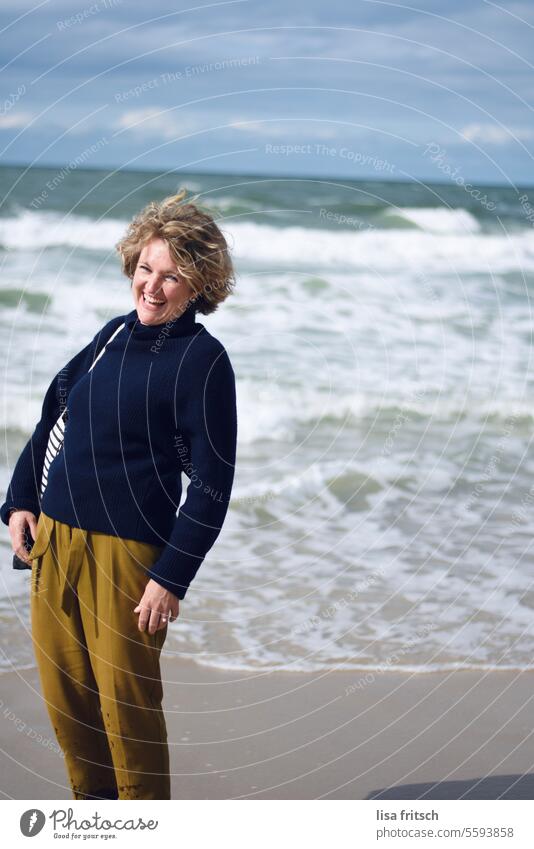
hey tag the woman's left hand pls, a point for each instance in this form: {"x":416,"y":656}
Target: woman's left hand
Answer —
{"x":157,"y":607}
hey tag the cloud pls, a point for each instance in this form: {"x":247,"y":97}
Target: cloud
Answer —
{"x":269,"y":129}
{"x":495,"y":134}
{"x":14,"y":120}
{"x":170,"y":125}
{"x":155,"y":122}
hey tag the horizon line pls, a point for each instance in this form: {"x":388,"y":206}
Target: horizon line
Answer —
{"x":303,"y":177}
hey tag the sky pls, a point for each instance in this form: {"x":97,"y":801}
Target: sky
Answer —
{"x":351,"y":89}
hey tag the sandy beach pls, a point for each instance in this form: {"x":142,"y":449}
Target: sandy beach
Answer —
{"x":333,"y":735}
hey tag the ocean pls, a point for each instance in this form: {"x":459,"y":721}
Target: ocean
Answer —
{"x":381,"y":335}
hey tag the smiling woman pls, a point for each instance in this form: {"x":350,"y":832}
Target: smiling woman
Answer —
{"x":108,"y":543}
{"x":159,"y":292}
{"x":174,"y":253}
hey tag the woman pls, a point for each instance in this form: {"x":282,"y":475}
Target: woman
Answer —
{"x":111,"y":559}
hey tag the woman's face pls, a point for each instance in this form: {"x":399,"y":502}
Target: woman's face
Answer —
{"x":159,"y":293}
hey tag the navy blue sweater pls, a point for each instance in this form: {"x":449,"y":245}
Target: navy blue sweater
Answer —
{"x":161,"y":400}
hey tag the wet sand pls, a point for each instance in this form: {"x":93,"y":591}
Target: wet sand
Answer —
{"x":332,"y":735}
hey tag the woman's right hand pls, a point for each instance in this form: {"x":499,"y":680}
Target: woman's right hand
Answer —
{"x":18,"y":521}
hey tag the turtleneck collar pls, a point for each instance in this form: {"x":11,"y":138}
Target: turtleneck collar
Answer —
{"x":180,"y":326}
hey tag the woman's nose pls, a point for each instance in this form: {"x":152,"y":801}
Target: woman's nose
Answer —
{"x":152,"y":284}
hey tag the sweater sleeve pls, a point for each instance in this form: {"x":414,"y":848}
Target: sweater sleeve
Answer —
{"x":208,"y":424}
{"x":23,"y":491}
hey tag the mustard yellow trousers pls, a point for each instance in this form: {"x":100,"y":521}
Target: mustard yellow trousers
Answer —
{"x":100,"y":675}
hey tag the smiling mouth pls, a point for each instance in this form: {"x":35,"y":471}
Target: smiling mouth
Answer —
{"x":153,"y":302}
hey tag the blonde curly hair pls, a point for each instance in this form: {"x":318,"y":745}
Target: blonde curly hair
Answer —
{"x":195,"y":242}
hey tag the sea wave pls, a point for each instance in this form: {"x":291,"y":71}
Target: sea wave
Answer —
{"x":32,"y":230}
{"x":442,"y":240}
{"x":434,"y":220}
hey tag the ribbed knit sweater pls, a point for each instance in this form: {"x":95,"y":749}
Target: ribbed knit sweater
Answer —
{"x":161,"y":400}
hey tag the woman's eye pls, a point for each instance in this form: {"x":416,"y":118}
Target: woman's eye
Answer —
{"x":168,"y":276}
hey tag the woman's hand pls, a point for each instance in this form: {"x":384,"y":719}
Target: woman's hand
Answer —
{"x":157,"y":607}
{"x":17,"y":526}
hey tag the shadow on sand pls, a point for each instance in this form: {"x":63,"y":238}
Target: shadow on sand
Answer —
{"x":494,"y":787}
